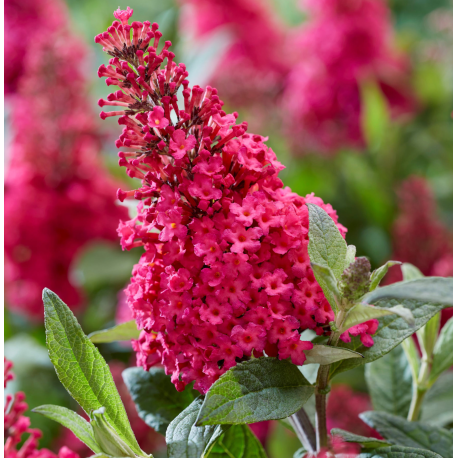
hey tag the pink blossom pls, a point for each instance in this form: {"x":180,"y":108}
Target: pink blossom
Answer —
{"x":123,"y":15}
{"x":364,"y":331}
{"x":293,"y":348}
{"x":156,"y":118}
{"x":180,"y":144}
{"x":250,"y":338}
{"x":202,"y":187}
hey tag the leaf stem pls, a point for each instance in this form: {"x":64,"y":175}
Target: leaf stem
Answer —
{"x":420,"y":389}
{"x":304,"y":429}
{"x":322,"y":388}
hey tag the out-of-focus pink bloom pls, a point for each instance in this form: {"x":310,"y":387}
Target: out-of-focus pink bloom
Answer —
{"x":345,"y":44}
{"x":16,"y":425}
{"x":216,"y":284}
{"x":56,"y":188}
{"x":257,"y":59}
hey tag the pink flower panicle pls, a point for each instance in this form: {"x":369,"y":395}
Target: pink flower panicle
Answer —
{"x":225,"y":274}
{"x":16,"y":425}
{"x":55,"y":187}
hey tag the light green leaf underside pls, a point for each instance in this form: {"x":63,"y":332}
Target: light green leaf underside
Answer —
{"x":81,"y":368}
{"x":256,"y":390}
{"x":324,"y":354}
{"x":414,"y":434}
{"x":437,"y":408}
{"x":123,"y":331}
{"x":366,"y":442}
{"x":184,"y":440}
{"x":397,"y":451}
{"x":443,"y":351}
{"x":71,"y":420}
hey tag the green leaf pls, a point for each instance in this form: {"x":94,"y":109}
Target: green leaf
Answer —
{"x":397,"y":451}
{"x":424,"y":298}
{"x":81,"y":368}
{"x":71,"y":420}
{"x":155,"y":397}
{"x":427,"y":336}
{"x":437,"y":407}
{"x":361,"y":313}
{"x":414,"y":434}
{"x":378,"y":274}
{"x":326,"y":246}
{"x":238,"y":442}
{"x":410,"y":272}
{"x":256,"y":390}
{"x":324,"y":274}
{"x":390,"y":383}
{"x":184,"y":440}
{"x":350,"y":256}
{"x":443,"y":352}
{"x":411,"y":352}
{"x":366,"y":442}
{"x":375,"y":114}
{"x":324,"y":354}
{"x":123,"y":331}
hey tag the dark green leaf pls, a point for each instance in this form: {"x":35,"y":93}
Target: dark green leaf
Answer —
{"x":378,"y":274}
{"x":423,"y":302}
{"x":443,"y":352}
{"x":256,"y":390}
{"x":414,"y":434}
{"x":390,"y":383}
{"x":237,"y":442}
{"x":326,"y":246}
{"x":396,"y":451}
{"x":123,"y":331}
{"x":78,"y":425}
{"x":324,"y":354}
{"x":155,"y":397}
{"x":184,"y":440}
{"x":366,"y":442}
{"x":81,"y":368}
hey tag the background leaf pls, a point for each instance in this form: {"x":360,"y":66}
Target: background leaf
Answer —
{"x":155,"y":397}
{"x":186,"y":440}
{"x":389,"y":380}
{"x":443,"y":351}
{"x":437,"y":407}
{"x":238,"y":442}
{"x":378,"y":274}
{"x":123,"y":331}
{"x":81,"y":428}
{"x":256,"y":390}
{"x":81,"y":368}
{"x":410,"y":272}
{"x":411,"y":433}
{"x":397,"y":451}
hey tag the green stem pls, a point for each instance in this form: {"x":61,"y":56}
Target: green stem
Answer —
{"x":304,"y":430}
{"x":420,"y":389}
{"x":322,"y":389}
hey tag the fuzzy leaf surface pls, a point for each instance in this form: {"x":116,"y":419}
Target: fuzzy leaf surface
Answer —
{"x":256,"y":390}
{"x":185,"y":440}
{"x":397,"y":451}
{"x":378,"y":274}
{"x":326,"y":246}
{"x":81,"y":428}
{"x":425,"y":297}
{"x":437,"y":408}
{"x":238,"y":442}
{"x":390,"y":383}
{"x":366,"y":442}
{"x":413,"y":434}
{"x":123,"y":331}
{"x":155,"y":397}
{"x":82,"y":369}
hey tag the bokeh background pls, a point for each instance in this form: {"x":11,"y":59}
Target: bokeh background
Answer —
{"x":354,"y":95}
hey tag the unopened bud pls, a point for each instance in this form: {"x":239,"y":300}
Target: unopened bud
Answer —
{"x":107,"y":438}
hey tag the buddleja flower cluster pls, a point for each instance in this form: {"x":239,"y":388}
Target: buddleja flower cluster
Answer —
{"x":225,"y":274}
{"x":16,"y":425}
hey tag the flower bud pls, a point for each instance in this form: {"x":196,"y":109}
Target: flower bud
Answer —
{"x":356,"y":279}
{"x":107,"y":438}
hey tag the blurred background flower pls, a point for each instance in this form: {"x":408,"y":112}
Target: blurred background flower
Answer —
{"x":354,"y":95}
